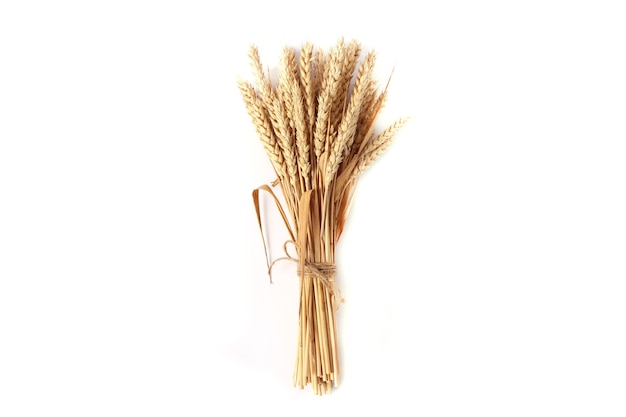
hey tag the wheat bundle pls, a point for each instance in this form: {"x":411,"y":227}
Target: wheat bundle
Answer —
{"x":316,"y":125}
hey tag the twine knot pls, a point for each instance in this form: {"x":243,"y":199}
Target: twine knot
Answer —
{"x":324,"y":273}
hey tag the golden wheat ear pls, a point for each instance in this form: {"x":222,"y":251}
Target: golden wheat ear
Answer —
{"x":379,"y":145}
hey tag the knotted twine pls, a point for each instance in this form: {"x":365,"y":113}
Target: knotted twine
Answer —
{"x":324,"y":273}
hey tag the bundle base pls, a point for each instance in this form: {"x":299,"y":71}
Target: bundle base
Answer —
{"x":317,"y":359}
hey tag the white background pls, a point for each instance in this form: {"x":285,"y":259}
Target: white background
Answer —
{"x":483,"y":264}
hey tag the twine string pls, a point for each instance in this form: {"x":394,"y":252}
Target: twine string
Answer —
{"x":323,"y":272}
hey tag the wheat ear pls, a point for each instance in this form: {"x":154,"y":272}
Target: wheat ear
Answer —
{"x":263,"y":84}
{"x":346,"y":130}
{"x":306,"y":79}
{"x":351,"y":56}
{"x":330,"y":85}
{"x":263,"y":127}
{"x":377,"y":146}
{"x":298,"y":116}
